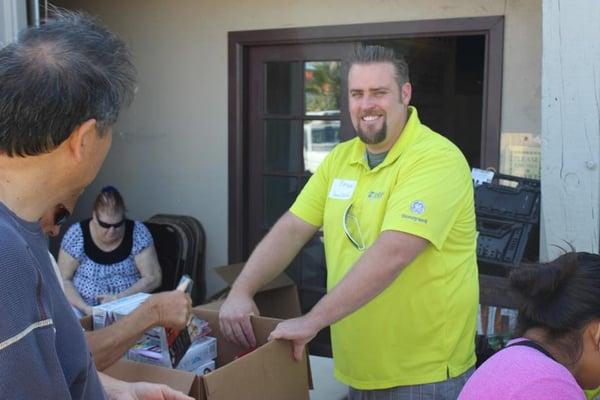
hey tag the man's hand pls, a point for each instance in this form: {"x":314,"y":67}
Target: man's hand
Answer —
{"x":87,"y":310}
{"x":171,"y":309}
{"x":299,"y":330}
{"x":234,"y":319}
{"x":105,"y":298}
{"x":144,"y":391}
{"x":120,"y":390}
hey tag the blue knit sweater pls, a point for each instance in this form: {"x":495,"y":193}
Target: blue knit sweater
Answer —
{"x":43,"y":352}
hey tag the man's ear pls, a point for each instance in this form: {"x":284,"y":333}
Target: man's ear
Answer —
{"x":406,"y":93}
{"x":82,"y":137}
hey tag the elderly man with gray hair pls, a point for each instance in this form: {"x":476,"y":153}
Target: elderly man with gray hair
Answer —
{"x":62,"y":87}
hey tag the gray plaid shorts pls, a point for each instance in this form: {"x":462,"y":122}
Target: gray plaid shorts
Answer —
{"x":446,"y":390}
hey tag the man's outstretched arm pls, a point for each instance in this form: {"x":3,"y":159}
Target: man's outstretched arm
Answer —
{"x":169,"y":309}
{"x":120,"y":390}
{"x":379,"y":266}
{"x":272,"y":255}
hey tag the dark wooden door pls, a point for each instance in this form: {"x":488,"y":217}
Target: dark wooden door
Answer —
{"x":297,"y":113}
{"x":297,"y":108}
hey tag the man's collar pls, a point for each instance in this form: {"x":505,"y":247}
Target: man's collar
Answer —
{"x":408,"y":135}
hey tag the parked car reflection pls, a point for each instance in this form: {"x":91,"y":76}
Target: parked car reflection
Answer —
{"x":320,"y":137}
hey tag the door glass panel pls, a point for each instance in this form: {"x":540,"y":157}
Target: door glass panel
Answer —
{"x":279,"y":194}
{"x":282,"y":146}
{"x":283,"y":87}
{"x":322,"y":87}
{"x":320,"y":137}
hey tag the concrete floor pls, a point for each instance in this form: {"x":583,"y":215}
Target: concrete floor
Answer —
{"x":326,"y":387}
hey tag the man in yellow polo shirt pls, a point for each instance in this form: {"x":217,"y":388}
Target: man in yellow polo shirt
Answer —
{"x":396,"y":207}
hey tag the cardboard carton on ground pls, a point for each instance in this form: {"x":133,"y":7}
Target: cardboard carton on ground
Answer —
{"x":269,"y":372}
{"x":278,"y":299}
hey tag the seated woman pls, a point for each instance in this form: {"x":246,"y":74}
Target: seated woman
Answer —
{"x":107,"y":256}
{"x":558,"y":351}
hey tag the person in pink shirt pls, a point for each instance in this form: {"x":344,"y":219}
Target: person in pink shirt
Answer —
{"x":558,"y":352}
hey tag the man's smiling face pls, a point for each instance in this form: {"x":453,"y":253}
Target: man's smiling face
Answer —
{"x":378,"y":107}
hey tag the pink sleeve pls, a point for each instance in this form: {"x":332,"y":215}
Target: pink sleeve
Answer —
{"x":549,"y":389}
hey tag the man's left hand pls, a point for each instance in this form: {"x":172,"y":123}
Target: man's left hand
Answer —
{"x":298,"y":330}
{"x":146,"y":391}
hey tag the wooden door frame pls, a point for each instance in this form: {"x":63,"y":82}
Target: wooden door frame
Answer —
{"x":492,"y":28}
{"x":256,"y":116}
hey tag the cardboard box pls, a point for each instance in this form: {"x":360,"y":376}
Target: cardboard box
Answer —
{"x":269,"y":372}
{"x":278,"y":299}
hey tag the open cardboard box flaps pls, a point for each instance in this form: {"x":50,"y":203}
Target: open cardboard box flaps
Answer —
{"x":278,"y":299}
{"x":268,"y":372}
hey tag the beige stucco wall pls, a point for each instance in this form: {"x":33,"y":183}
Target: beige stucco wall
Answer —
{"x":170,"y":149}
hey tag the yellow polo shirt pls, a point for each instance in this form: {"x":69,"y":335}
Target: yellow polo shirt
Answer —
{"x":421,"y":328}
{"x":592,"y":394}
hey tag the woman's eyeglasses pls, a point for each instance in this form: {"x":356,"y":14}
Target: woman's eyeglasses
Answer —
{"x":106,"y":225}
{"x":352,"y":229}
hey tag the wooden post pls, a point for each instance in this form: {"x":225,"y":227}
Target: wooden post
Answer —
{"x":570,"y":175}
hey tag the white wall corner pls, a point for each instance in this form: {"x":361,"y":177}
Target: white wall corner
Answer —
{"x":13,"y":18}
{"x":570,"y":171}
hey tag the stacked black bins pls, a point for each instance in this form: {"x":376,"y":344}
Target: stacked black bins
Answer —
{"x":180,"y":244}
{"x":508,"y":214}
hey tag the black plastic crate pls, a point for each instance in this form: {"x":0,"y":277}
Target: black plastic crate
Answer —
{"x":509,"y":197}
{"x":502,"y":242}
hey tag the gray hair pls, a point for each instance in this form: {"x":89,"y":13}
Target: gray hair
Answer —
{"x":57,"y":76}
{"x":380,"y":54}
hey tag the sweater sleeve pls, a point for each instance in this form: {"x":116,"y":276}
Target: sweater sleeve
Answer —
{"x":29,"y":363}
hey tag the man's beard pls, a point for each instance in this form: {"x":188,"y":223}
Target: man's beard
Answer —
{"x":377,"y":138}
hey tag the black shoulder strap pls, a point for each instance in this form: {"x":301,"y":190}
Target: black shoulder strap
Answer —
{"x":533,"y":345}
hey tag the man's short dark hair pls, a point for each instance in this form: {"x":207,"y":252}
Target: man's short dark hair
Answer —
{"x":57,"y":76}
{"x":380,"y":54}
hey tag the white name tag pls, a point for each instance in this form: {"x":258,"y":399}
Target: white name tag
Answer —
{"x":342,"y":189}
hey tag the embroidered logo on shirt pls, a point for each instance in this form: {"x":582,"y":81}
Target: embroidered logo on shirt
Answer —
{"x":417,"y":207}
{"x":375,"y":195}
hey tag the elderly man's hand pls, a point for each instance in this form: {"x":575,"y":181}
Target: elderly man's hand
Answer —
{"x":234,"y":319}
{"x":171,"y":309}
{"x":298,"y":330}
{"x":144,"y":391}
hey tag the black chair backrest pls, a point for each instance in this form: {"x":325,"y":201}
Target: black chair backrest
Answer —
{"x":195,"y":250}
{"x":169,"y":251}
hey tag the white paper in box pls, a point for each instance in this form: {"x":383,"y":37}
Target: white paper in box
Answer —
{"x":105,"y":314}
{"x":153,"y":343}
{"x":205,"y":368}
{"x":201,"y":351}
